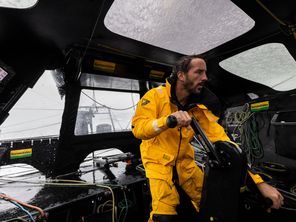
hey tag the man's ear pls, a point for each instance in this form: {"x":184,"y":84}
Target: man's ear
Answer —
{"x":181,"y":76}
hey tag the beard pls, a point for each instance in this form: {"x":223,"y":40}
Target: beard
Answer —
{"x":191,"y":88}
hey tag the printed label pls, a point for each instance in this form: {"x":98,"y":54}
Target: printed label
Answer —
{"x":22,"y":153}
{"x":260,"y":106}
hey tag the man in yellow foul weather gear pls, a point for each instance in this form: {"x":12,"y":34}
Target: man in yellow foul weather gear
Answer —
{"x":162,"y":121}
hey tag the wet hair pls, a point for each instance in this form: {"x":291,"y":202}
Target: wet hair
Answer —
{"x":183,"y":65}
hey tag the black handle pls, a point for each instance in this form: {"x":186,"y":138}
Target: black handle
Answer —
{"x":207,"y":144}
{"x":267,"y":203}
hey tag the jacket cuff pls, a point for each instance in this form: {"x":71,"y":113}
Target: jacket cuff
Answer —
{"x":256,"y":178}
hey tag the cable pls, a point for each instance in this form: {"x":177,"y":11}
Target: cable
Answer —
{"x":44,"y":126}
{"x":249,"y":135}
{"x":24,"y":204}
{"x":269,"y":12}
{"x":90,"y":39}
{"x":78,"y":182}
{"x":140,"y":168}
{"x":68,"y":183}
{"x":20,"y":205}
{"x":93,"y":30}
{"x":288,"y":208}
{"x":291,"y":27}
{"x":16,"y":219}
{"x":108,"y":107}
{"x":21,"y":208}
{"x":29,"y":121}
{"x":275,"y":167}
{"x":113,"y":199}
{"x":100,"y":208}
{"x":109,"y":203}
{"x":125,"y":207}
{"x":200,"y":155}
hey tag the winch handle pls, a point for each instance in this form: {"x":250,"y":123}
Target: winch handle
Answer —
{"x":206,"y":143}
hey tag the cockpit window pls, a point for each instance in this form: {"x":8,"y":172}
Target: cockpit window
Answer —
{"x":105,"y":111}
{"x":38,"y":113}
{"x":20,"y":4}
{"x":187,"y":27}
{"x":270,"y":64}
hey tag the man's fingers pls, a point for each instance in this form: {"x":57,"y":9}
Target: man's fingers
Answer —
{"x":183,"y":118}
{"x":278,"y":201}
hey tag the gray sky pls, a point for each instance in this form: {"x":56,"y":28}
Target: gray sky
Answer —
{"x":39,"y":111}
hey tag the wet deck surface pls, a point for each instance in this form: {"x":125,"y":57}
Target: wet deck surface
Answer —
{"x":26,"y":184}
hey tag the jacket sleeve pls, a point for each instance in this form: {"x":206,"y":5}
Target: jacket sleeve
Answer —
{"x":145,"y":123}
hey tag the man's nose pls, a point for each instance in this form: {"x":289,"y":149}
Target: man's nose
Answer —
{"x":204,"y":77}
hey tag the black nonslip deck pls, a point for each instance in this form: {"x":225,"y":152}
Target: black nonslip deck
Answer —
{"x":60,"y":198}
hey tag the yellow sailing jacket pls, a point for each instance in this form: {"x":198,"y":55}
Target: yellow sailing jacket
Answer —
{"x":162,"y":146}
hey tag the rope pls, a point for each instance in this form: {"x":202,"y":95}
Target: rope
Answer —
{"x":108,"y":107}
{"x":18,"y":202}
{"x":249,"y":133}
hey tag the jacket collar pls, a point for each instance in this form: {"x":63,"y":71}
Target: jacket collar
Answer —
{"x":205,"y":100}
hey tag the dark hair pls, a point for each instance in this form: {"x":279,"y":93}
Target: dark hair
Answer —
{"x":183,"y":65}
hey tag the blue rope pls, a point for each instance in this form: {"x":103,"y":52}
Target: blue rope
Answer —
{"x":21,"y":207}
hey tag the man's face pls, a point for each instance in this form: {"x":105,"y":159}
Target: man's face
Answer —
{"x":196,"y":77}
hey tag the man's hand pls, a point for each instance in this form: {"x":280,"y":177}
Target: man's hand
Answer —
{"x":183,"y":118}
{"x":272,"y":193}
